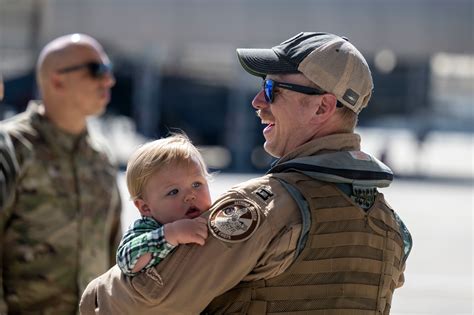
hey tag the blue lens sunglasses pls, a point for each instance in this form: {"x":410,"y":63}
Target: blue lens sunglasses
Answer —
{"x":270,"y":85}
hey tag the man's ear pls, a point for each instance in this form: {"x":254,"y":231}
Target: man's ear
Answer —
{"x":326,"y":108}
{"x":143,"y":207}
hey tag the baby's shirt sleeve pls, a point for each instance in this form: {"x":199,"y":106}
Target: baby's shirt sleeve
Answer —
{"x":146,"y":235}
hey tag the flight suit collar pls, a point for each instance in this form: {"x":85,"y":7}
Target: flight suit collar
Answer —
{"x":59,"y":140}
{"x":331,"y":143}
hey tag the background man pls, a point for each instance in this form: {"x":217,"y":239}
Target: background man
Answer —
{"x":60,"y":221}
{"x":312,"y":236}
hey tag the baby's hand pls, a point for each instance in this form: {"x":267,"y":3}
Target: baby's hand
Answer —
{"x":186,"y":231}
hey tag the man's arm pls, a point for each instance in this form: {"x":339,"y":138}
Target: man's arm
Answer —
{"x":183,"y":283}
{"x":148,"y":243}
{"x":8,"y":174}
{"x":189,"y":278}
{"x":8,"y":168}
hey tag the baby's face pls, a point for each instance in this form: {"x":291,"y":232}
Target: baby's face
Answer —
{"x":177,"y":192}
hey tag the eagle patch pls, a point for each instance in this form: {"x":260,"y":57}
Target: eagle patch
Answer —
{"x":234,"y":221}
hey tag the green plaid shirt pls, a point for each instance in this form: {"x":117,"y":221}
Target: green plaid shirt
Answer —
{"x":145,"y":235}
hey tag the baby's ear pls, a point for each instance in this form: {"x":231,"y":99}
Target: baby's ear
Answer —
{"x":142,"y":207}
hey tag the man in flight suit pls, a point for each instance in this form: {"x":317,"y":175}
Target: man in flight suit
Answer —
{"x":314,"y":235}
{"x":60,"y":205}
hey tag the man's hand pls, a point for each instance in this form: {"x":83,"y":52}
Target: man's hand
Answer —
{"x":186,"y":231}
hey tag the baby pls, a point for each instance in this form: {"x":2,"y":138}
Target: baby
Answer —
{"x":167,"y":181}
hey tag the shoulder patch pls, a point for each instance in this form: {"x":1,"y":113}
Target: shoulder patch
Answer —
{"x":264,"y":192}
{"x":234,"y":221}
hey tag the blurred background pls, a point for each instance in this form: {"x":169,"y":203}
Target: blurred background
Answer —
{"x":176,"y":67}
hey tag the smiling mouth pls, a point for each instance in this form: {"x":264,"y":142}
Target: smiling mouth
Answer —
{"x":265,"y":120}
{"x":268,"y":127}
{"x":192,"y":213}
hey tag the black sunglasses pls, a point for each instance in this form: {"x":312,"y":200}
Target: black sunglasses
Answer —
{"x":96,"y":69}
{"x":270,"y":85}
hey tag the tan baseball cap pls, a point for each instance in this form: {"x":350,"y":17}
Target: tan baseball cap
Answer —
{"x":328,"y":60}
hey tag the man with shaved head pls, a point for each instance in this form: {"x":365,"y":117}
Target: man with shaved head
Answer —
{"x":60,"y":220}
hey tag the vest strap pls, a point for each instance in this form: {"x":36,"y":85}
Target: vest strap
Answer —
{"x":339,"y":265}
{"x":257,"y":308}
{"x":304,"y":211}
{"x":311,"y":292}
{"x":335,"y":214}
{"x":358,"y":238}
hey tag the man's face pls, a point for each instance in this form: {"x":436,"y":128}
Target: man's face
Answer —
{"x":176,"y":192}
{"x":288,"y":117}
{"x":86,"y":94}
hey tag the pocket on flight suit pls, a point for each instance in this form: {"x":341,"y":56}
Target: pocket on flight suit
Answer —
{"x":157,"y":280}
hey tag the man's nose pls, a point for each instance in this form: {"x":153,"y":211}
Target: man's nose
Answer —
{"x":259,"y":101}
{"x":108,"y":80}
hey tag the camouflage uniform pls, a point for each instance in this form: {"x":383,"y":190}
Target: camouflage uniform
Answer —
{"x":8,"y":167}
{"x":61,"y":225}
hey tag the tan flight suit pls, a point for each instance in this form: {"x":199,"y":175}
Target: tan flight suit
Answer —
{"x":192,"y":276}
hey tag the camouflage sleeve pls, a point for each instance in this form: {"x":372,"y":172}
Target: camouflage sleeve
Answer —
{"x":8,"y":174}
{"x":8,"y":168}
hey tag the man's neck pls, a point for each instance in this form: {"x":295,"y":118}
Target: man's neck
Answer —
{"x":64,"y":119}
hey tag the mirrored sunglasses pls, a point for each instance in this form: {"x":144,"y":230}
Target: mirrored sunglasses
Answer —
{"x":270,"y":85}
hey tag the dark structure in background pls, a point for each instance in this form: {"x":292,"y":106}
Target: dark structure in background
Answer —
{"x":217,"y":115}
{"x":176,"y":65}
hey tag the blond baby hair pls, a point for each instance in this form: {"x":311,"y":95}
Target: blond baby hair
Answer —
{"x":153,"y":156}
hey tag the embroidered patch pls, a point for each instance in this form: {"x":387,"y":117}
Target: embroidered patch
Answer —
{"x":264,"y":192}
{"x":234,"y":221}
